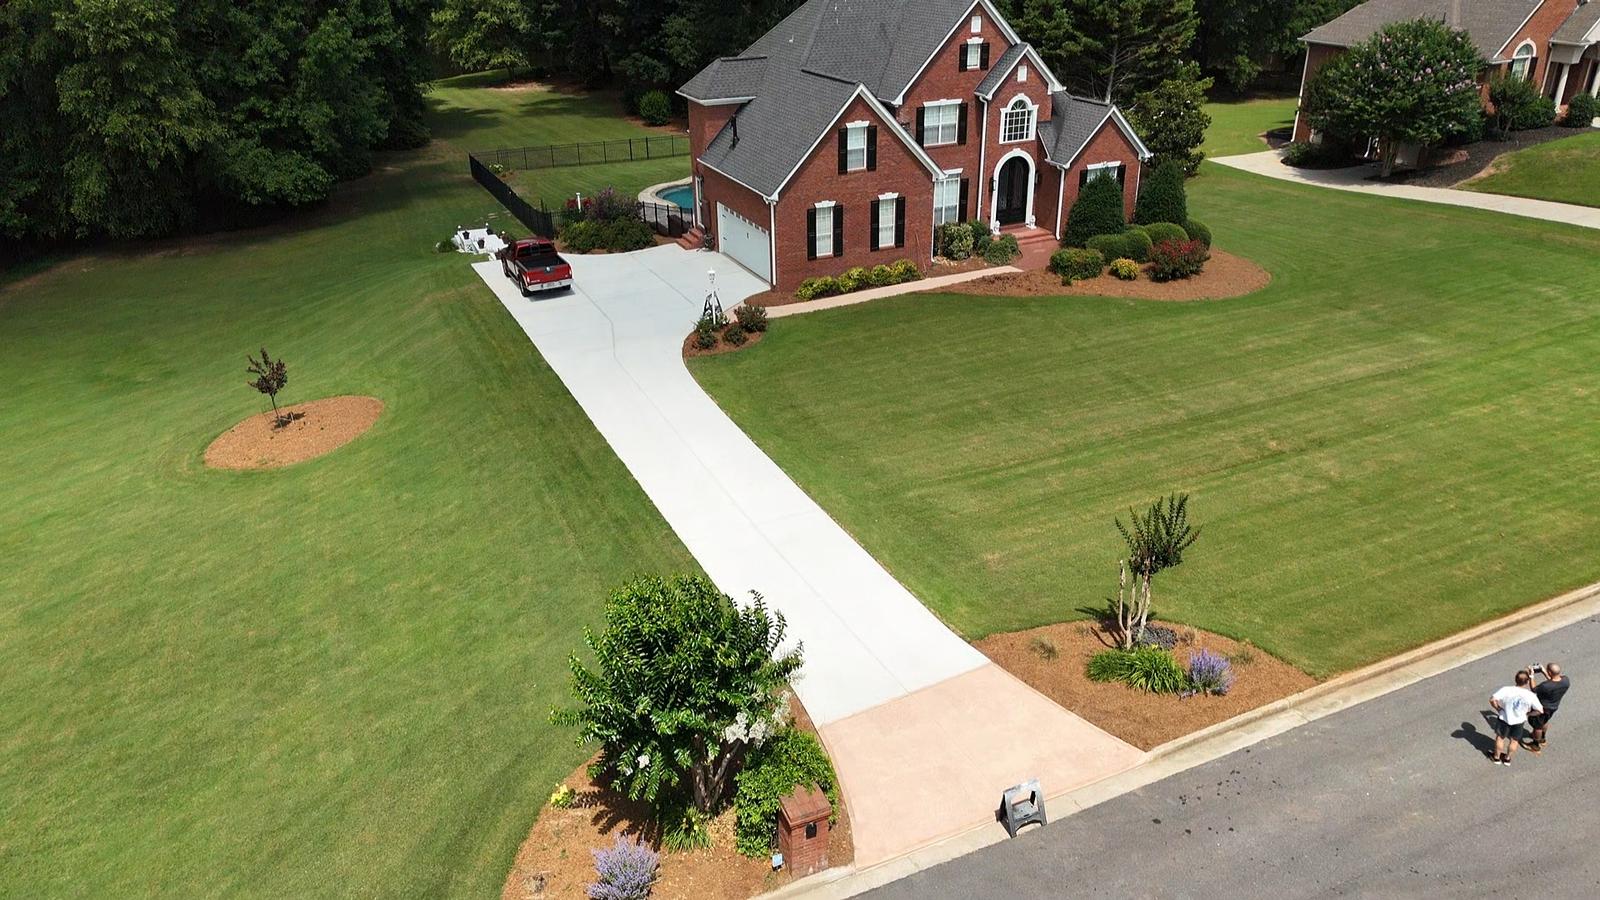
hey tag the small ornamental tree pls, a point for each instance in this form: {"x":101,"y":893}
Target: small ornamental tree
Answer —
{"x":685,"y":684}
{"x":1156,"y":540}
{"x":270,"y":377}
{"x":1171,"y":119}
{"x":1098,"y":210}
{"x":1162,"y":197}
{"x":1518,"y":106}
{"x":1411,"y":83}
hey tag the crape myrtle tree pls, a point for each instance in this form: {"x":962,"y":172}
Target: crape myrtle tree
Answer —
{"x":1411,"y":83}
{"x":1156,"y":540}
{"x":684,"y":684}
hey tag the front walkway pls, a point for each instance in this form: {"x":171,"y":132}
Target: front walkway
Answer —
{"x":924,"y":730}
{"x":1357,"y":179}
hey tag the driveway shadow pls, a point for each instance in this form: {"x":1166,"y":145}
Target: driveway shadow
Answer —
{"x":1482,"y":741}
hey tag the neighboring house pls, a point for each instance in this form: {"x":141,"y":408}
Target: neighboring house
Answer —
{"x":1554,"y":43}
{"x":851,"y":130}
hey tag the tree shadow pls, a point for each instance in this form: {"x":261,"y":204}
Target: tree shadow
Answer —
{"x":1482,"y":741}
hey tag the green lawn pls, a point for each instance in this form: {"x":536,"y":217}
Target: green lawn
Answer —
{"x":481,"y":113}
{"x":329,"y":680}
{"x":1566,"y":171}
{"x":1395,"y":440}
{"x":1237,"y":125}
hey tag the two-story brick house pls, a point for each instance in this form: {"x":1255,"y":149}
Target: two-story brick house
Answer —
{"x":1553,"y":43}
{"x":854,"y":128}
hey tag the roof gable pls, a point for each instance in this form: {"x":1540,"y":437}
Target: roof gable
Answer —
{"x":1582,"y":27}
{"x":1074,"y":121}
{"x":1002,"y":69}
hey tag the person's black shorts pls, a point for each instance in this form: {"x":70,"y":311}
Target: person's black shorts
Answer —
{"x":1540,"y":720}
{"x":1504,"y":729}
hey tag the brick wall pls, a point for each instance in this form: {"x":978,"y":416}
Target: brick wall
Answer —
{"x":1037,"y":92}
{"x":718,"y":188}
{"x":704,"y":123}
{"x":1540,"y":27}
{"x":1109,"y":144}
{"x":944,"y":80}
{"x":1317,"y":56}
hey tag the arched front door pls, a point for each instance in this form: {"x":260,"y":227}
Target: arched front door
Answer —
{"x":1011,"y":197}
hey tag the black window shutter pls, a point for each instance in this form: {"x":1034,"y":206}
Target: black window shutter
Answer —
{"x":872,"y":148}
{"x":922,"y":126}
{"x":874,"y":242}
{"x":844,"y":150}
{"x":811,"y":233}
{"x":961,"y":124}
{"x":1122,"y":175}
{"x":838,"y":231}
{"x":961,"y":210}
{"x":1083,"y":177}
{"x":983,"y":56}
{"x":961,"y":59}
{"x":900,"y":222}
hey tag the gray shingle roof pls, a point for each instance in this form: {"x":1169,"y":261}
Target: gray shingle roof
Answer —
{"x":1490,"y":23}
{"x":1074,"y":121}
{"x":727,"y":78}
{"x":998,"y":71}
{"x":1579,"y":24}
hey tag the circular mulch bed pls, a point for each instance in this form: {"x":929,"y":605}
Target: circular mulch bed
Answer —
{"x":692,"y":349}
{"x":323,"y":427}
{"x":1225,"y":276}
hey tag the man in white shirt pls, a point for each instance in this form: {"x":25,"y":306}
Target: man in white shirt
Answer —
{"x":1512,"y":704}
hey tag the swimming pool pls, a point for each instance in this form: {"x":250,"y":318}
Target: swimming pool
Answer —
{"x":682,"y":195}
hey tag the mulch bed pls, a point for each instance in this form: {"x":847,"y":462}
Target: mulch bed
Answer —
{"x":323,"y":426}
{"x":691,"y":349}
{"x":1225,"y":276}
{"x":555,"y":861}
{"x":1143,"y":720}
{"x":1468,"y":162}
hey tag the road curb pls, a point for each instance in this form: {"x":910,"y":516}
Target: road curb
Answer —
{"x":1241,"y":731}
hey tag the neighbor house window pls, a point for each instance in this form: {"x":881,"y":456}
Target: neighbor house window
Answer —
{"x":1017,"y":124}
{"x":946,"y":200}
{"x":824,"y":245}
{"x":886,"y":221}
{"x":855,"y":148}
{"x":1523,"y":61}
{"x":940,"y":123}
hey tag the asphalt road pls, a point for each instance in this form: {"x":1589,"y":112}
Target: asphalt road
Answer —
{"x":1392,"y":798}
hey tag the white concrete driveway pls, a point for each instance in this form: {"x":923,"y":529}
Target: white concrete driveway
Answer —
{"x":924,"y":730}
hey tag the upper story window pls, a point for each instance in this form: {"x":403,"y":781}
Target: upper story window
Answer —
{"x":855,"y":147}
{"x":941,"y":123}
{"x":1523,"y":60}
{"x":1016,"y":124}
{"x":977,"y":24}
{"x":974,"y":51}
{"x":1022,"y":72}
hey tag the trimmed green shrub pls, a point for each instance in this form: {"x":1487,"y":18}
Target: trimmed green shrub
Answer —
{"x":751,"y":318}
{"x":904,"y":270}
{"x":1162,"y":197}
{"x":735,"y":335}
{"x":1518,"y":105}
{"x":582,"y":236}
{"x":1330,"y":153}
{"x":1132,"y":244}
{"x":1077,"y":263}
{"x":981,"y":237}
{"x":1165,"y":231}
{"x":1098,"y":210}
{"x":880,"y":275}
{"x":1002,"y":250}
{"x":820,"y":286}
{"x":623,"y":235}
{"x":1582,"y":111}
{"x":853,"y":279}
{"x":705,"y":333}
{"x":655,"y":107}
{"x":1172,"y":260}
{"x":1144,"y":668}
{"x":1198,"y":232}
{"x":954,"y":240}
{"x":790,"y":759}
{"x":1125,"y":269}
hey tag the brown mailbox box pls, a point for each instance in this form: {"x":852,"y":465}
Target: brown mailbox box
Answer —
{"x":803,"y":830}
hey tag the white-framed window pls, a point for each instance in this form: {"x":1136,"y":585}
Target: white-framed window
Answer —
{"x":974,"y":53}
{"x":977,"y":24}
{"x":886,"y":218}
{"x":947,"y":200}
{"x":1113,"y":170}
{"x":1016,"y":124}
{"x":941,"y":122}
{"x":1022,"y":72}
{"x":855,"y":147}
{"x":1523,"y":60}
{"x":824,"y":229}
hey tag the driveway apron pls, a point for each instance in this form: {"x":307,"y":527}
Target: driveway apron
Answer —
{"x":925,"y":732}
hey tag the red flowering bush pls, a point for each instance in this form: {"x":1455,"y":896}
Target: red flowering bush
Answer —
{"x":1172,"y":259}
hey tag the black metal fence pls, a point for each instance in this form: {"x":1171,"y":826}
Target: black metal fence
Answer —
{"x":664,"y":219}
{"x":588,"y":154}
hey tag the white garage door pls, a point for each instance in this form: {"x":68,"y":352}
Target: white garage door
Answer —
{"x":746,"y":242}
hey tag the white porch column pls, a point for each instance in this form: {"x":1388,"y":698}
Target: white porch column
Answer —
{"x":1561,"y":85}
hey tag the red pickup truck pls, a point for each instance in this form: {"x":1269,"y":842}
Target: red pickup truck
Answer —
{"x":535,"y":266}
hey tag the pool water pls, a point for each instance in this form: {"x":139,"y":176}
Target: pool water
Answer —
{"x":682,"y":195}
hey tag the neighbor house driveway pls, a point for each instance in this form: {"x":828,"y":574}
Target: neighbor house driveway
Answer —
{"x":1359,"y":180}
{"x":924,"y":730}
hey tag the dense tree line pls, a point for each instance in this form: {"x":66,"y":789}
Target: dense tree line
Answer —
{"x":146,"y":117}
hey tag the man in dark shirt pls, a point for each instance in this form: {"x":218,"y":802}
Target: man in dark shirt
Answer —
{"x":1549,"y":691}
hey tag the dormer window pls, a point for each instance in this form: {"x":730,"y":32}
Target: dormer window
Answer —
{"x":1016,"y":123}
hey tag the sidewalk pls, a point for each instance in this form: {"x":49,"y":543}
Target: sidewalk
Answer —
{"x":893,"y":290}
{"x":1270,"y":164}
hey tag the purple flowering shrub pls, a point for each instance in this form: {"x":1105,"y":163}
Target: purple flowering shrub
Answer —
{"x":624,"y":871}
{"x":1209,"y":673}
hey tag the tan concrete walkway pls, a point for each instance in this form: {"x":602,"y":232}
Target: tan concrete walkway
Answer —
{"x":893,"y":290}
{"x":1356,"y":179}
